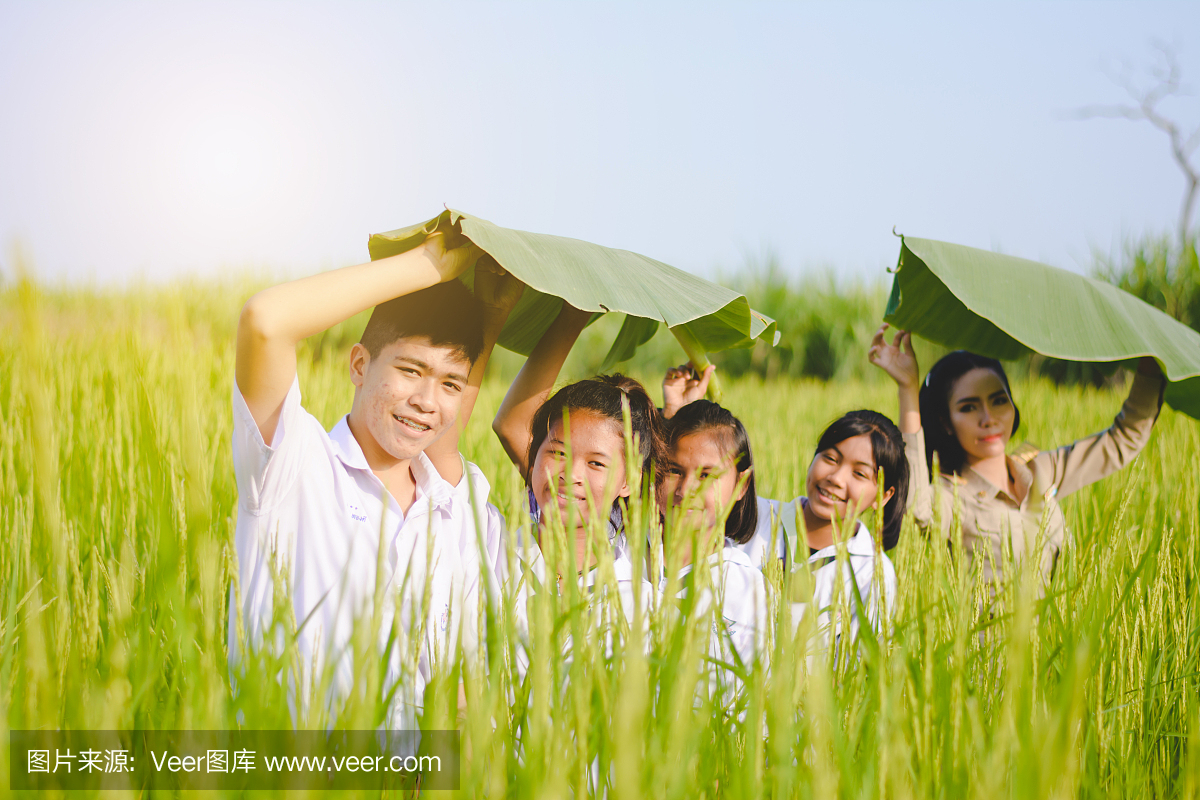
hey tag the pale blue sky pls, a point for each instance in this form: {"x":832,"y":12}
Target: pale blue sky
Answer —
{"x":158,"y":139}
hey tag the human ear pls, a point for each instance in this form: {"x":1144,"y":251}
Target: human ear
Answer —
{"x":360,"y":359}
{"x":883,"y":501}
{"x":744,"y":480}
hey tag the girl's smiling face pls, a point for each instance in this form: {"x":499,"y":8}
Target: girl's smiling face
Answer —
{"x":701,"y":474}
{"x":841,"y":479}
{"x":593,"y":476}
{"x":981,"y":414}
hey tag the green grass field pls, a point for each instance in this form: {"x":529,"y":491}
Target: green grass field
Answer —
{"x":117,"y":503}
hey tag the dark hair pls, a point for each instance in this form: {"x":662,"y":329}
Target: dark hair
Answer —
{"x":935,"y":406}
{"x":446,"y":313}
{"x":887,"y":445}
{"x":705,"y":415}
{"x":603,"y":395}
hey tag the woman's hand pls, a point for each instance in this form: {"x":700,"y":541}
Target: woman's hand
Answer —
{"x":681,"y":385}
{"x":897,"y":359}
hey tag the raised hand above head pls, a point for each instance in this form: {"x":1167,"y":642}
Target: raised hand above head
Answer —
{"x":533,"y":384}
{"x":682,"y":385}
{"x":897,"y":359}
{"x":450,"y":253}
{"x":497,"y":288}
{"x":498,"y":292}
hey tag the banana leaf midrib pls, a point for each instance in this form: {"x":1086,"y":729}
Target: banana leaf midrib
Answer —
{"x":593,"y":278}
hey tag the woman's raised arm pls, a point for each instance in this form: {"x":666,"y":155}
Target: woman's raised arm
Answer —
{"x":1073,"y":466}
{"x":899,"y":361}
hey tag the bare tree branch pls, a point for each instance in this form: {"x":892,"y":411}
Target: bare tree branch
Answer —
{"x":1167,"y":77}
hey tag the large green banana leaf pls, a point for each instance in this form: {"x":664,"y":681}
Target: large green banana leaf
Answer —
{"x":601,"y":279}
{"x":1005,"y":307}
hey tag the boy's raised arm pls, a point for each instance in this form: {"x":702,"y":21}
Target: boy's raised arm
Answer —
{"x":498,"y":291}
{"x":275,"y":320}
{"x":534,"y":382}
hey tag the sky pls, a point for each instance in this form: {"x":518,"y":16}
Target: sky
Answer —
{"x":153,"y":140}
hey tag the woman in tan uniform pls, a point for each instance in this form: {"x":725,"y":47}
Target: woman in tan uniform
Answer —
{"x":964,"y":412}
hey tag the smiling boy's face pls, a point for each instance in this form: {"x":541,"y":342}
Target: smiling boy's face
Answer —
{"x":406,"y":397}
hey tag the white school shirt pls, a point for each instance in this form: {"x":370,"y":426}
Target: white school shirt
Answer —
{"x":741,"y":621}
{"x":310,"y":502}
{"x":622,"y":563}
{"x":777,"y":533}
{"x":769,"y":536}
{"x":529,"y":572}
{"x":863,"y":568}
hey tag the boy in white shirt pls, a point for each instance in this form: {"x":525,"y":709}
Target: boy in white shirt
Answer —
{"x":317,"y":505}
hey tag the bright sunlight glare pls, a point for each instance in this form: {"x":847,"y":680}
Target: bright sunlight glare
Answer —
{"x":226,"y":165}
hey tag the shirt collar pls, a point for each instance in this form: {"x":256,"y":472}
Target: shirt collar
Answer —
{"x":431,"y":483}
{"x":473,"y":485}
{"x":729,"y":554}
{"x":981,"y":487}
{"x":428,"y":480}
{"x":346,"y":447}
{"x":860,"y":544}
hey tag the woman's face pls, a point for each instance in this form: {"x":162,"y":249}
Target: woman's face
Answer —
{"x":981,"y":414}
{"x":701,"y":478}
{"x":596,"y":468}
{"x":841,"y":480}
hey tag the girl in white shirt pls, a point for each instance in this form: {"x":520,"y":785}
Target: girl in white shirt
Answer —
{"x":709,"y":475}
{"x":585,"y":479}
{"x":841,"y":483}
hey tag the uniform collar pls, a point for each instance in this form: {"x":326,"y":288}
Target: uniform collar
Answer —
{"x":860,"y":544}
{"x":346,"y":447}
{"x":733,"y":555}
{"x":729,"y":554}
{"x":473,"y":485}
{"x":429,"y":483}
{"x":981,"y":488}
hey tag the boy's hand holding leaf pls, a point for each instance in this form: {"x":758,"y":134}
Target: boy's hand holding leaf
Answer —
{"x":450,"y":253}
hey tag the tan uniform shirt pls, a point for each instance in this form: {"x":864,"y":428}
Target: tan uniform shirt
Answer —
{"x":990,"y":514}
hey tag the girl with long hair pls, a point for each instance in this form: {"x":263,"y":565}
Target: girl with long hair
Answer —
{"x":570,"y":448}
{"x":707,"y":443}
